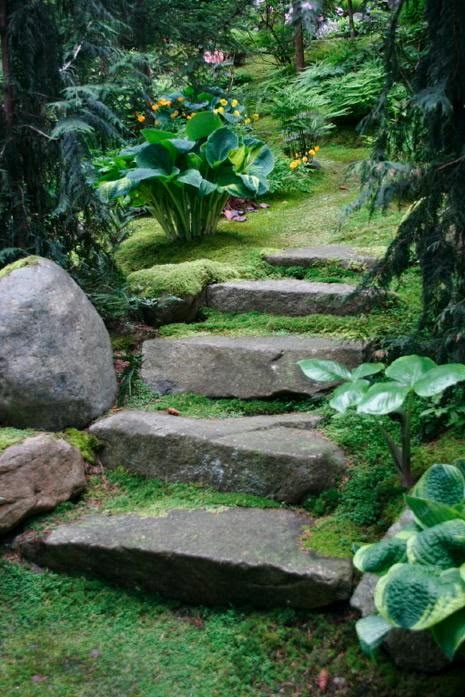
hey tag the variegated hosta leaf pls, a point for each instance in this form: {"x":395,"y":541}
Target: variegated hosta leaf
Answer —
{"x":429,"y":513}
{"x":450,"y":633}
{"x":348,"y":395}
{"x":379,"y":557}
{"x":442,"y":483}
{"x":324,"y":371}
{"x":442,"y":546}
{"x":371,"y":631}
{"x":417,"y":597}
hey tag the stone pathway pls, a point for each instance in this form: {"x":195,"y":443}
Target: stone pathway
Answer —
{"x":240,"y":366}
{"x":280,"y":457}
{"x":244,"y":556}
{"x":306,"y":257}
{"x":289,"y":297}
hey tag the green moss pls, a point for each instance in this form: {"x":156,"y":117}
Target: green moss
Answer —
{"x":334,"y":537}
{"x":10,"y":436}
{"x":19,"y":264}
{"x":185,"y":279}
{"x":82,"y":440}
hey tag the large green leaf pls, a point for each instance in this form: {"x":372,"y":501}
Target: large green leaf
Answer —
{"x":409,"y":369}
{"x":324,"y":371}
{"x":256,"y":185}
{"x":442,"y":483}
{"x":191,"y":177}
{"x":140,"y":174}
{"x":219,"y":145}
{"x":230,"y":182}
{"x":379,"y":557}
{"x":439,"y":379}
{"x":182,"y":144}
{"x":156,"y":156}
{"x":371,"y":631}
{"x":366,"y":369}
{"x":417,"y":597}
{"x":383,"y":398}
{"x":450,"y":633}
{"x":428,"y":513}
{"x":153,"y":135}
{"x":350,"y":394}
{"x":263,"y":164}
{"x":238,"y":157}
{"x":202,"y":124}
{"x":442,"y":546}
{"x":110,"y":190}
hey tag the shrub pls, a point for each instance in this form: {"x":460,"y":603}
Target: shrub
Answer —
{"x":422,"y":568}
{"x":185,"y":181}
{"x":181,"y":280}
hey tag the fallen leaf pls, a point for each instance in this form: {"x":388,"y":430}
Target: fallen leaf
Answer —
{"x":323,"y":680}
{"x":173,"y":412}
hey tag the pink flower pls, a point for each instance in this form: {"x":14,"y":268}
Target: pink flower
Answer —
{"x":213,"y":57}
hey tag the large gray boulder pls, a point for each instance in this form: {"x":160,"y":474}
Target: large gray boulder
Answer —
{"x":409,"y":650}
{"x":281,"y":457}
{"x":35,"y":475}
{"x":289,"y":297}
{"x":244,"y":556}
{"x":56,"y":365}
{"x":241,"y":366}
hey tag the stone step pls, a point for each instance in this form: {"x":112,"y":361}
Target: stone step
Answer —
{"x":240,"y":366}
{"x":237,"y":555}
{"x":288,"y":296}
{"x":345,"y":257}
{"x":280,"y":457}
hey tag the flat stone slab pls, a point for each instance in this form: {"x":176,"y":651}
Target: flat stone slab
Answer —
{"x":306,"y":257}
{"x":280,"y":457}
{"x":288,"y":296}
{"x":240,"y":366}
{"x":244,"y":556}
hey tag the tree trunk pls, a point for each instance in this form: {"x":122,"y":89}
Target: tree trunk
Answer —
{"x":299,"y":46}
{"x":350,"y":8}
{"x":8,"y":95}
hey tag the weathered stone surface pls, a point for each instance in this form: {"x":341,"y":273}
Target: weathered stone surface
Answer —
{"x":409,"y":650}
{"x":280,"y":457}
{"x":241,"y":556}
{"x":56,"y":366}
{"x":240,"y":366}
{"x":288,"y":297}
{"x":305,"y":257}
{"x":35,"y":475}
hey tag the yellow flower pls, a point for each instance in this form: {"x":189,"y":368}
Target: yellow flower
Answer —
{"x":181,"y":99}
{"x":294,"y":164}
{"x":174,"y":114}
{"x":164,"y":102}
{"x":235,"y":103}
{"x":155,"y":107}
{"x":220,"y":110}
{"x":141,"y":118}
{"x":256,"y":117}
{"x":312,"y":152}
{"x":247,"y":122}
{"x":189,"y":116}
{"x":236,"y":113}
{"x":224,"y":102}
{"x":317,"y":148}
{"x":305,"y":159}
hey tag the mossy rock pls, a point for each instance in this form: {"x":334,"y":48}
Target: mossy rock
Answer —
{"x":185,"y":280}
{"x":11,"y":436}
{"x":18,"y":264}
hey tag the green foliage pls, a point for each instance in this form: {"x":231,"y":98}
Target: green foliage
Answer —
{"x":87,"y":444}
{"x":185,"y":181}
{"x":422,"y":568}
{"x":182,"y":280}
{"x":10,"y":436}
{"x":409,"y":376}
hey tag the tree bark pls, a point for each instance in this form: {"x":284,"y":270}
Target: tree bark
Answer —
{"x":299,"y":46}
{"x":350,"y":8}
{"x":8,"y":95}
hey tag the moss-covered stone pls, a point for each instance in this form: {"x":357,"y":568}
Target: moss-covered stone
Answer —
{"x":19,"y":264}
{"x":182,"y":280}
{"x":87,"y":444}
{"x":11,"y":436}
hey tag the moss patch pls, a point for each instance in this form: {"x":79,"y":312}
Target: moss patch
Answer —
{"x":334,"y":537}
{"x":185,"y":279}
{"x":87,"y":444}
{"x":19,"y":264}
{"x":11,"y":436}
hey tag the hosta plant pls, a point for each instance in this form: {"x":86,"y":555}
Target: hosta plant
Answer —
{"x":404,"y":378}
{"x":422,"y":568}
{"x":184,"y":182}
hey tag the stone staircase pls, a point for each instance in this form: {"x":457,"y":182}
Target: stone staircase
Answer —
{"x":306,"y":257}
{"x":235,"y":555}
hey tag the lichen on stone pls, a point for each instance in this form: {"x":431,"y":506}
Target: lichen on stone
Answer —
{"x":182,"y":280}
{"x":19,"y":264}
